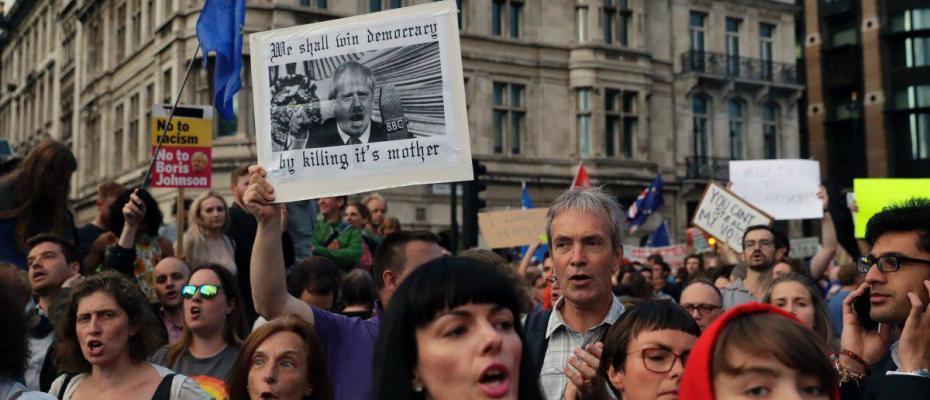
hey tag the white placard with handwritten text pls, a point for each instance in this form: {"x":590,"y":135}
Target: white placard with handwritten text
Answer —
{"x":784,"y":189}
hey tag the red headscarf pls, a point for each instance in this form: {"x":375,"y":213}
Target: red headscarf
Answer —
{"x":697,"y":383}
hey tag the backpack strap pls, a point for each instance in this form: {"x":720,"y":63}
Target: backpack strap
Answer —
{"x":64,"y":386}
{"x":163,"y":392}
{"x":536,"y":340}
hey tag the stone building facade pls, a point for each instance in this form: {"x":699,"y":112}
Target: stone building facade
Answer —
{"x":548,"y":83}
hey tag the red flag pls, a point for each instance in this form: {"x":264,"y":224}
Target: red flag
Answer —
{"x":581,"y":178}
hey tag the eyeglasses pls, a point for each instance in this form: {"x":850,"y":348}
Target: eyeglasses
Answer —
{"x":762,"y":243}
{"x":886,"y":263}
{"x":701,"y":308}
{"x":657,"y":359}
{"x":206,"y":291}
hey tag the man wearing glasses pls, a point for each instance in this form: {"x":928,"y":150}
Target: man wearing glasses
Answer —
{"x":703,"y":301}
{"x":896,"y":271}
{"x":759,"y":255}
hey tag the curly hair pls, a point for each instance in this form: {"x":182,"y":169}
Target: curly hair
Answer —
{"x":129,"y":297}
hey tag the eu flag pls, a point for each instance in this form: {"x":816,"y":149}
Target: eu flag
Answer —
{"x":646,"y":203}
{"x":219,"y":29}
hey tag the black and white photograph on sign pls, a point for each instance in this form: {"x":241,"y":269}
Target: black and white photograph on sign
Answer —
{"x":357,"y":98}
{"x":361,"y":103}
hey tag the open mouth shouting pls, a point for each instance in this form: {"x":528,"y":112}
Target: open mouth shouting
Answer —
{"x":580,"y":280}
{"x":195,"y":312}
{"x":94,"y":348}
{"x":495,"y":381}
{"x":38,"y":275}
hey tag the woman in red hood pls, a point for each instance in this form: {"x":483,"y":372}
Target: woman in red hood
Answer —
{"x":757,"y":351}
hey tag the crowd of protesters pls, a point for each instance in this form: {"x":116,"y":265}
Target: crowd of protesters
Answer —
{"x":349,"y":305}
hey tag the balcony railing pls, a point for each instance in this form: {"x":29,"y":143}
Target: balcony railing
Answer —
{"x":736,"y":67}
{"x":701,"y":167}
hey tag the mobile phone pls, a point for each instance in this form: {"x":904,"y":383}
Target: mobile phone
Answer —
{"x":863,"y":306}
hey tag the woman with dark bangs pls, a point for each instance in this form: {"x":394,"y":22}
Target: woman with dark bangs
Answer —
{"x":759,"y":351}
{"x":452,"y":333}
{"x":646,"y":349}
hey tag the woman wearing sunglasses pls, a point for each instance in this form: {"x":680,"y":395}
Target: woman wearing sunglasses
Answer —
{"x":102,"y":339}
{"x":646,"y":349}
{"x":213,"y":328}
{"x":452,"y":332}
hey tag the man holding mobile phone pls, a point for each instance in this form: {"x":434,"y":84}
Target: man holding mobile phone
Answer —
{"x":872,"y":363}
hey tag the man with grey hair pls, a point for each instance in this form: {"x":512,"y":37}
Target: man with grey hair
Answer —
{"x":585,"y":228}
{"x":352,"y":94}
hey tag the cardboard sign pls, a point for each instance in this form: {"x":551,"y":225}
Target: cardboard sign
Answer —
{"x":698,"y":240}
{"x":186,"y":156}
{"x":804,"y":247}
{"x":726,"y":216}
{"x":512,"y":228}
{"x":784,"y":189}
{"x":872,"y":195}
{"x":674,"y":255}
{"x":362,"y":103}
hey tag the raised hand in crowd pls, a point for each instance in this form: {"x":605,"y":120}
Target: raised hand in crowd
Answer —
{"x":133,"y":212}
{"x":259,"y":197}
{"x":584,"y":380}
{"x":828,"y":239}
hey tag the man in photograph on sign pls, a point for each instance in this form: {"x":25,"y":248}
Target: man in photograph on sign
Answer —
{"x":352,"y":91}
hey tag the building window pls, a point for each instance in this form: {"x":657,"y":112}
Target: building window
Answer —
{"x":134,"y":133}
{"x":842,"y":33}
{"x":735,"y":114}
{"x":120,"y":22}
{"x":150,"y":17}
{"x":766,"y":45}
{"x":620,"y":113}
{"x":320,"y":4}
{"x":581,"y":24}
{"x":696,"y":34}
{"x":136,"y":23}
{"x":733,"y":27}
{"x":149,"y":105}
{"x":505,"y":17}
{"x":583,"y":116}
{"x":770,"y":131}
{"x":91,"y":147}
{"x":700,"y":111}
{"x":912,"y":97}
{"x":911,"y":20}
{"x":166,"y":82}
{"x":379,"y":5}
{"x":617,"y":17}
{"x":509,"y":117}
{"x":93,"y":51}
{"x":118,"y":139}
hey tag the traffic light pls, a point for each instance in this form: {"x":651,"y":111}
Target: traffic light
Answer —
{"x":472,"y":203}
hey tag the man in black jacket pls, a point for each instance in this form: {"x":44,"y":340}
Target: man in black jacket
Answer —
{"x":896,"y":284}
{"x":242,"y":227}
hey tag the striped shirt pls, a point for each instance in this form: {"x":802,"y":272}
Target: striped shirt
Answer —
{"x":563,"y":340}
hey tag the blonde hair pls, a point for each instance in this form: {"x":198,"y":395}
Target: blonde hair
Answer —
{"x":196,"y":252}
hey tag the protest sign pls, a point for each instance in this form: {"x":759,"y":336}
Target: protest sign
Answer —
{"x":726,"y":216}
{"x":186,"y":156}
{"x":512,"y":228}
{"x":784,"y":189}
{"x":361,"y":103}
{"x":804,"y":247}
{"x":872,"y":195}
{"x":698,"y":241}
{"x":674,"y":255}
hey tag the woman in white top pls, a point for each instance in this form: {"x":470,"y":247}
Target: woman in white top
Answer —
{"x":204,"y":241}
{"x":104,"y":337}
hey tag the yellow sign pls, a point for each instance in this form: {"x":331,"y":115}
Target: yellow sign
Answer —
{"x":872,"y":195}
{"x":183,"y":132}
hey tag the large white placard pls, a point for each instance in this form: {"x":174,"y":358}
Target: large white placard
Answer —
{"x":785,"y":189}
{"x":361,"y":103}
{"x":726,"y":216}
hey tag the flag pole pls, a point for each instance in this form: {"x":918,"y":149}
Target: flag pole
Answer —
{"x":164,"y":132}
